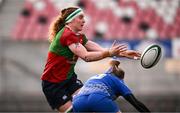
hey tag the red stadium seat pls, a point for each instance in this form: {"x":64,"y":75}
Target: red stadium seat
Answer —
{"x":119,"y":26}
{"x":23,"y":21}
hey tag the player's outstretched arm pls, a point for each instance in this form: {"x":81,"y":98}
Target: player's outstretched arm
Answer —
{"x":137,"y":104}
{"x":92,"y":46}
{"x":131,"y":54}
{"x":89,"y":56}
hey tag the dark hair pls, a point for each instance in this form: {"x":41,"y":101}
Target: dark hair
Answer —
{"x":117,"y":71}
{"x":59,"y":22}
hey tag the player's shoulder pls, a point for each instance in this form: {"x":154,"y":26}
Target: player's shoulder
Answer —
{"x":110,"y":77}
{"x":67,"y":32}
{"x":114,"y":77}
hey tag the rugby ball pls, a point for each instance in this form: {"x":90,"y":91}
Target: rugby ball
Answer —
{"x":150,"y":56}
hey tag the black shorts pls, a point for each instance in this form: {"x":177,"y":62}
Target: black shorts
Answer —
{"x":57,"y":94}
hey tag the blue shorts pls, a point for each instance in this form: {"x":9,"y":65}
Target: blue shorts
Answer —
{"x":94,"y":103}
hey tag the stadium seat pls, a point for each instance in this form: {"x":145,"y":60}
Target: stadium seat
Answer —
{"x":23,"y":21}
{"x":126,"y":19}
{"x":1,"y":3}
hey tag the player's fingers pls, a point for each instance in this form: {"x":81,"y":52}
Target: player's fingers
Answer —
{"x":114,"y":43}
{"x":120,"y":46}
{"x":123,"y":49}
{"x":136,"y":58}
{"x":119,"y":50}
{"x":138,"y":54}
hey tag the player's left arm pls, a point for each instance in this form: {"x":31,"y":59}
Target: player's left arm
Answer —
{"x":137,"y":104}
{"x":128,"y":95}
{"x":132,"y":54}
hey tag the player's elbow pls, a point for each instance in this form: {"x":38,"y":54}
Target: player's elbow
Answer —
{"x":87,"y":59}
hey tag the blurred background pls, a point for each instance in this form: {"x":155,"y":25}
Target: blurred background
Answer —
{"x":138,"y":23}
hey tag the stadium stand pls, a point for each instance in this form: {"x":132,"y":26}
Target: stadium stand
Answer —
{"x":120,"y":19}
{"x":1,"y":2}
{"x":34,"y":20}
{"x":23,"y":52}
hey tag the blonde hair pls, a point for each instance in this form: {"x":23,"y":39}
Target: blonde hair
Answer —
{"x":116,"y":70}
{"x":59,"y":22}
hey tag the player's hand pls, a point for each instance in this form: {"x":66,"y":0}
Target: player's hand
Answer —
{"x":116,"y":49}
{"x":131,"y":54}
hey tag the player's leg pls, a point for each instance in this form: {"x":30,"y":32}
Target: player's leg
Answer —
{"x":74,"y":85}
{"x":68,"y":106}
{"x":69,"y":110}
{"x":73,"y":88}
{"x":57,"y":95}
{"x":76,"y":92}
{"x":65,"y":107}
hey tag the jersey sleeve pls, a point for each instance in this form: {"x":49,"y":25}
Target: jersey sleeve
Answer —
{"x":70,"y":39}
{"x":121,"y":87}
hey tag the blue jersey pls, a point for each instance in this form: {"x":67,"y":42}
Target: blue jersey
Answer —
{"x":105,"y":84}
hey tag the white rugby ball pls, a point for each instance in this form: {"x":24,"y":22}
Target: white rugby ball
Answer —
{"x":151,"y":56}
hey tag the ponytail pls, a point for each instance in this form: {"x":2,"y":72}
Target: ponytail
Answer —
{"x":59,"y":22}
{"x":117,"y":71}
{"x":55,"y":27}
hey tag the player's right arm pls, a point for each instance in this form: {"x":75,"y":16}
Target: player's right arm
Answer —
{"x":92,"y":46}
{"x":79,"y":50}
